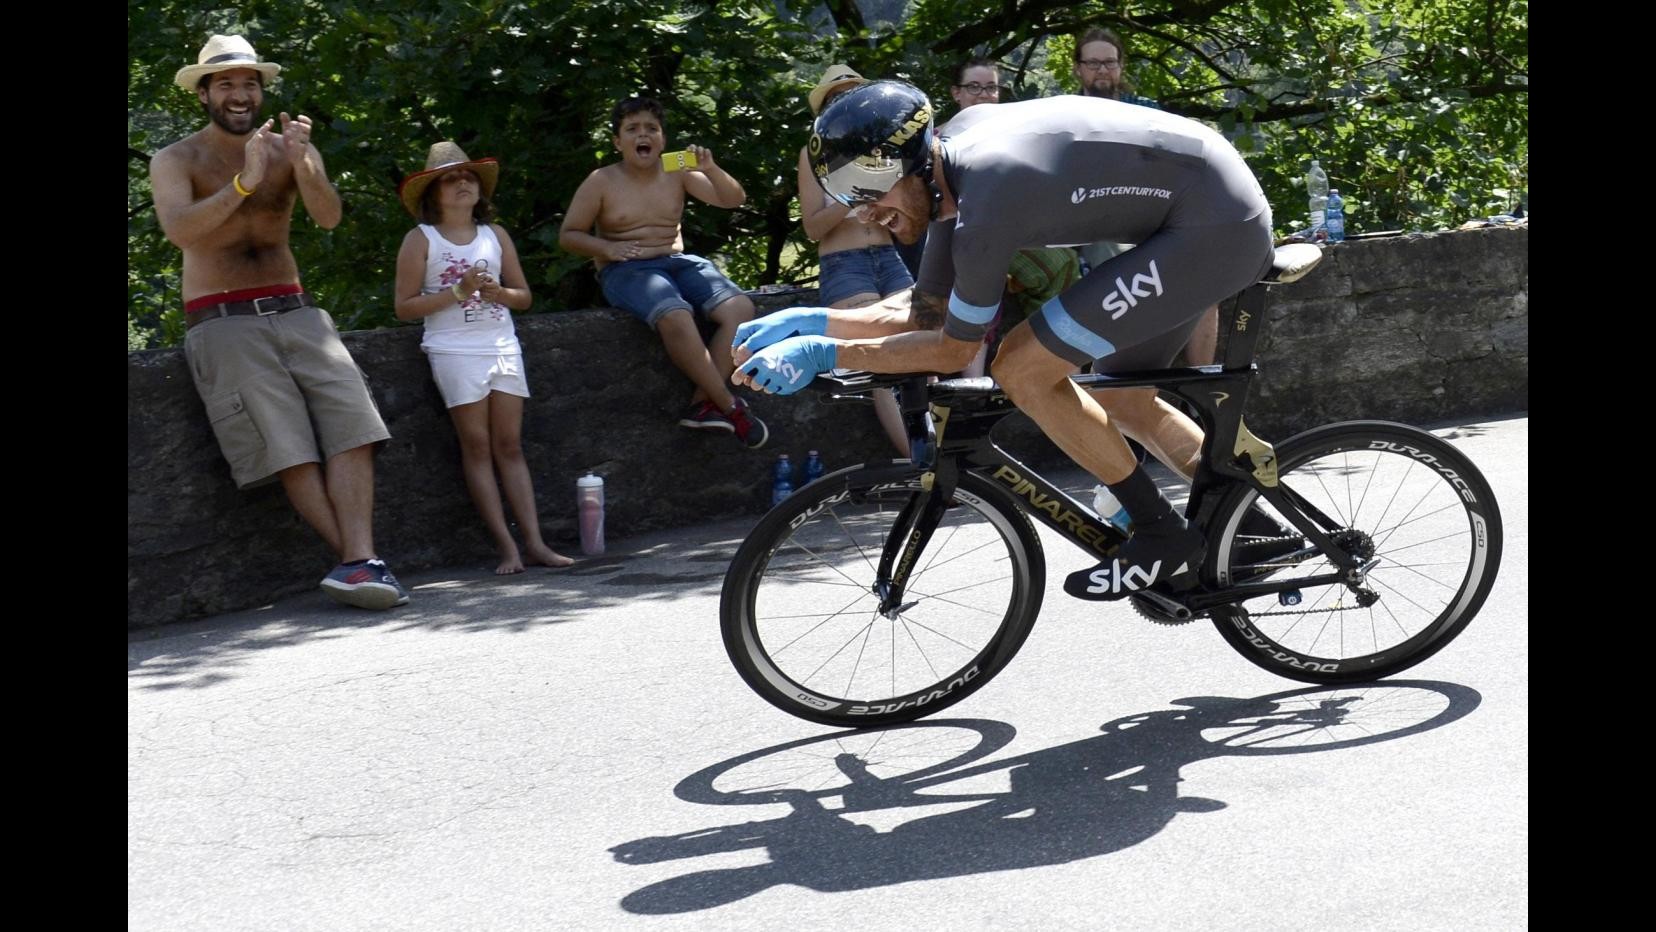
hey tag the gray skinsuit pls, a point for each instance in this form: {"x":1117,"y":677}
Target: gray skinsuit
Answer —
{"x":1067,"y":171}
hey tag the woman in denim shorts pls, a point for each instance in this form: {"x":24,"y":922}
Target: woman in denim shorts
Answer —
{"x":859,"y":261}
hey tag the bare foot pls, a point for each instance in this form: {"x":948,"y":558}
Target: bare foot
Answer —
{"x":509,"y":565}
{"x":546,"y":556}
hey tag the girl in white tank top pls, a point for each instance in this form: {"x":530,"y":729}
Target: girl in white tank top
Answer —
{"x":460,"y":274}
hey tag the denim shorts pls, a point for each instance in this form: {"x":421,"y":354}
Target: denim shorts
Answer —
{"x":867,"y":270}
{"x":649,"y":288}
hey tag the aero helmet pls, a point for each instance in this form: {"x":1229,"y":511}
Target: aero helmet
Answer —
{"x":869,"y":138}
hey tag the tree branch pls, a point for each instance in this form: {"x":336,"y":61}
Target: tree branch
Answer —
{"x":1299,"y":108}
{"x":988,"y":31}
{"x":847,"y":17}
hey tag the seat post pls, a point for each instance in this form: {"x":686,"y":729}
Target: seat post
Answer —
{"x":1245,"y":322}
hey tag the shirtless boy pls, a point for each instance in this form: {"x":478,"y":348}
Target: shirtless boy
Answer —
{"x":626,"y":216}
{"x":285,"y":399}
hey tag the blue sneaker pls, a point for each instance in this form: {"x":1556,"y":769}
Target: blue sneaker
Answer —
{"x":365,"y":585}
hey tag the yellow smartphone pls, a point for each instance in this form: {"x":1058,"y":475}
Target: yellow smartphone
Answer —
{"x":678,"y":161}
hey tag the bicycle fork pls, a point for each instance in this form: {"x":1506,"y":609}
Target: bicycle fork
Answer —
{"x":910,"y":534}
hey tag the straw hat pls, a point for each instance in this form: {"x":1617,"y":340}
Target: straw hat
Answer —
{"x":837,"y":76}
{"x":444,"y":157}
{"x":223,"y":53}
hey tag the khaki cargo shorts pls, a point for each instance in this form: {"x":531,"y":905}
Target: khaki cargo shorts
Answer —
{"x":280,"y":391}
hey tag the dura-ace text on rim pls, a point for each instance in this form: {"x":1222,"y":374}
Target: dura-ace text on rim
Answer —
{"x":803,"y":620}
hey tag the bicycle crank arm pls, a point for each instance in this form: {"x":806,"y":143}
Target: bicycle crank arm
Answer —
{"x":1177,"y":610}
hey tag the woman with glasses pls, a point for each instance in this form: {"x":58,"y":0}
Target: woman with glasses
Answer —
{"x":976,"y":82}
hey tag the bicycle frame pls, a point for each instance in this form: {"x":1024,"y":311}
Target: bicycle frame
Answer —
{"x":949,"y":424}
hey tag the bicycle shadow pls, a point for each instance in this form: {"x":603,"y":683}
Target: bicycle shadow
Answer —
{"x":1083,"y":799}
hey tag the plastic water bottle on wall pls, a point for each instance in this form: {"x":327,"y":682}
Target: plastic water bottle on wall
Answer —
{"x":1109,"y":508}
{"x":781,"y":480}
{"x":813,"y":467}
{"x":1336,"y":216}
{"x":1316,"y":185}
{"x":589,"y":509}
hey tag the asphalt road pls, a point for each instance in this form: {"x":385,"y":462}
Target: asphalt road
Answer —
{"x":572,"y":750}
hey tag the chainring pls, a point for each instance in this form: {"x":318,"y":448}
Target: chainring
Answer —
{"x":1148,"y":609}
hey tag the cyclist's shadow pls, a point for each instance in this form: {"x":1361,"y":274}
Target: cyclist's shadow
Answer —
{"x":1083,"y":799}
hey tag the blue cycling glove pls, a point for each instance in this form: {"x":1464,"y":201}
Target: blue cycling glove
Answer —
{"x":786,"y":367}
{"x":773,"y":328}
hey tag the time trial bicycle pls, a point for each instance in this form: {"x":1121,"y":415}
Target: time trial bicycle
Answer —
{"x":884,"y":592}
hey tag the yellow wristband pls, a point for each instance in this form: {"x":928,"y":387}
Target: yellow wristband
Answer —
{"x":455,"y":290}
{"x":236,"y":181}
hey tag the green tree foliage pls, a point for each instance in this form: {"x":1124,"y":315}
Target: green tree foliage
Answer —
{"x":1417,"y":108}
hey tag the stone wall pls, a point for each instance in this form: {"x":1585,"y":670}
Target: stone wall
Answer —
{"x":1418,"y":328}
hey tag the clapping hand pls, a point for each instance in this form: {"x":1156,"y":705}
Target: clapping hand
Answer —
{"x":296,"y":132}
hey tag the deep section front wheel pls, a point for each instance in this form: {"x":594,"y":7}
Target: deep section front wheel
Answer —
{"x":1411,"y":507}
{"x":800,"y":611}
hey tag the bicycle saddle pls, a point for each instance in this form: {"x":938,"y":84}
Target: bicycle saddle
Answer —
{"x":1293,"y":262}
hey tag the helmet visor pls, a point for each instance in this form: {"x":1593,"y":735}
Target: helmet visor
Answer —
{"x":863,"y":179}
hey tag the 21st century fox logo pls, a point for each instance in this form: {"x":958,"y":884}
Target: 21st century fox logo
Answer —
{"x":1119,"y":190}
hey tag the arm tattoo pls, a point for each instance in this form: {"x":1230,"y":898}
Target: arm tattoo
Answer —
{"x":926,"y":311}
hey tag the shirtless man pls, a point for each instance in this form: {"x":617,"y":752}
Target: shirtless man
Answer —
{"x":626,"y":217}
{"x":266,"y":360}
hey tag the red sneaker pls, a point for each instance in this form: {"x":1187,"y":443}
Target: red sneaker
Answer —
{"x":749,"y":429}
{"x":704,"y":416}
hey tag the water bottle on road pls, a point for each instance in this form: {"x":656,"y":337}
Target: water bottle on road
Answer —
{"x":589,"y":508}
{"x":813,"y":468}
{"x":781,"y":480}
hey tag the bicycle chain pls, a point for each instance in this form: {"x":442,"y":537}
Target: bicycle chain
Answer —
{"x":1306,"y":611}
{"x":1309,"y":611}
{"x":1262,"y":541}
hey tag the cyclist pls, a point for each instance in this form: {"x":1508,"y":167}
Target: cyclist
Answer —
{"x":1052,"y":172}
